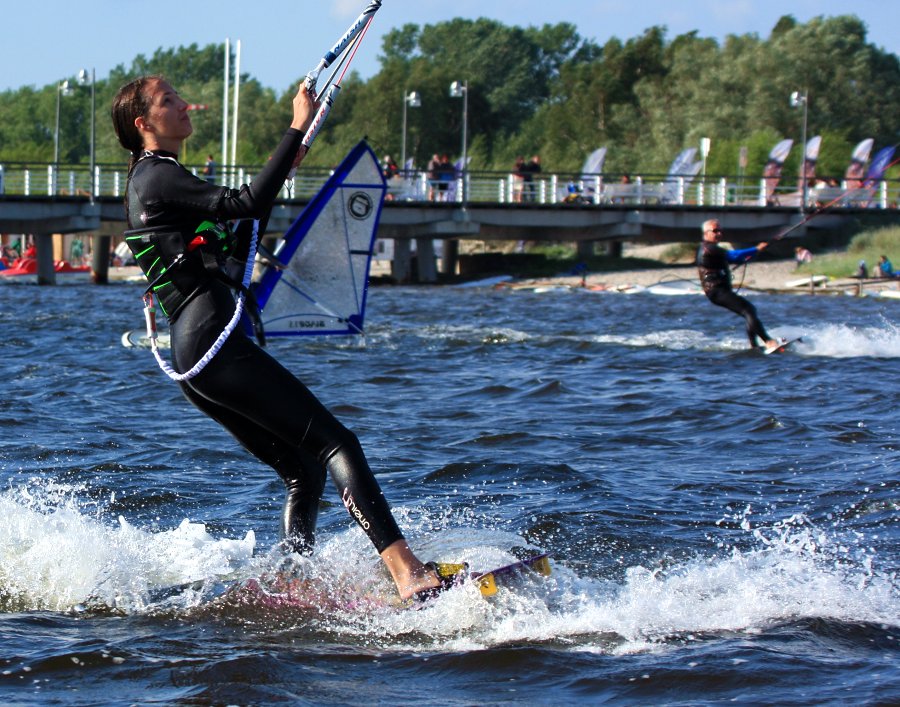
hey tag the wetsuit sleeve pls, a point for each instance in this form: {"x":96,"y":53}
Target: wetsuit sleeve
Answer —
{"x":254,"y":200}
{"x":739,"y":256}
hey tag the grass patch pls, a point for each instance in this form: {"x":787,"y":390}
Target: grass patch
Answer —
{"x":869,"y":246}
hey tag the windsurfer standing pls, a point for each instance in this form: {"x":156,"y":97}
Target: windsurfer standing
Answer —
{"x":713,"y":264}
{"x":181,"y":223}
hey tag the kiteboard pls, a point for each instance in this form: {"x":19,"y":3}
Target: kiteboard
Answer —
{"x":489,"y":581}
{"x":281,"y":590}
{"x":782,"y":347}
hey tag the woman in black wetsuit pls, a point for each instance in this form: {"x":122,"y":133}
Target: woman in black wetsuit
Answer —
{"x":713,"y":265}
{"x":180,"y":234}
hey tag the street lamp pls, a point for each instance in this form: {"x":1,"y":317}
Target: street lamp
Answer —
{"x":801,"y":99}
{"x":461,"y":90}
{"x":62,"y":89}
{"x":83,"y":80}
{"x":413,"y":100}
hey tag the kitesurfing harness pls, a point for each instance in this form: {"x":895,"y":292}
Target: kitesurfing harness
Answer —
{"x":712,"y":266}
{"x":180,"y":262}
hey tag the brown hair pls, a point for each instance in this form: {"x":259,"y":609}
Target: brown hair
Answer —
{"x":129,"y":104}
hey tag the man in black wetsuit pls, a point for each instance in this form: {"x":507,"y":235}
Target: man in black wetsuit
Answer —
{"x":714,"y":266}
{"x":181,"y":235}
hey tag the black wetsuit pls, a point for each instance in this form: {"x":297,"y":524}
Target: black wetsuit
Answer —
{"x":713,"y":264}
{"x":270,"y":412}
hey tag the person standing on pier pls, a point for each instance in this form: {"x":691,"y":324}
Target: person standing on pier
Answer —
{"x":185,"y":222}
{"x":714,"y":266}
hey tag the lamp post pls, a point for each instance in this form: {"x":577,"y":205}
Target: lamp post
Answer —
{"x":83,"y":80}
{"x":801,"y":99}
{"x":62,"y":89}
{"x":413,"y":100}
{"x":461,"y":90}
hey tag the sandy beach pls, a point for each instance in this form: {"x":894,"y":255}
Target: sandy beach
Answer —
{"x":770,"y":276}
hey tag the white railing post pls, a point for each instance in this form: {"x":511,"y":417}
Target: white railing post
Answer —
{"x":554,"y":189}
{"x":723,"y":192}
{"x":762,"y":193}
{"x":640,"y":189}
{"x":501,"y":191}
{"x":884,"y":194}
{"x":27,"y":184}
{"x":597,"y":189}
{"x":681,"y":190}
{"x":51,"y":180}
{"x":423,"y":186}
{"x":2,"y":180}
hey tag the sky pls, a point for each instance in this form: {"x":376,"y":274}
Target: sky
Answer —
{"x":44,"y":42}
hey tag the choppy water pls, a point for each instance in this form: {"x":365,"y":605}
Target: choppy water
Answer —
{"x":723,"y":525}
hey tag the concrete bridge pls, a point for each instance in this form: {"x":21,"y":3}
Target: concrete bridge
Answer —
{"x":644,"y":211}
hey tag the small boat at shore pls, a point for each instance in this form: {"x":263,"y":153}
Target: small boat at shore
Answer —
{"x":25,"y":270}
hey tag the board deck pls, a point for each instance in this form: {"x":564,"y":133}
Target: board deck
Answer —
{"x":283,"y":592}
{"x":783,"y":347}
{"x":488,"y":580}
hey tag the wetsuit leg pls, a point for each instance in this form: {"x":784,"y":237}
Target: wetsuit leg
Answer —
{"x":726,"y":297}
{"x":303,"y":476}
{"x":244,"y":379}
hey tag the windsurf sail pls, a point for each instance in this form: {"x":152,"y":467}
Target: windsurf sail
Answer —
{"x":316,"y":279}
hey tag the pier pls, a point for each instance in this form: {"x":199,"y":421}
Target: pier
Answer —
{"x":652,"y":209}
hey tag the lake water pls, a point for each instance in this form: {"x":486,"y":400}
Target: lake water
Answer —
{"x":723,"y":525}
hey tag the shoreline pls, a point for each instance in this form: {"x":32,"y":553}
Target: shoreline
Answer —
{"x":776,"y":276}
{"x":779,"y":276}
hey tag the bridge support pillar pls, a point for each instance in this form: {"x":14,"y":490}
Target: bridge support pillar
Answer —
{"x":46,"y":274}
{"x":401,"y":265}
{"x":425,"y":260}
{"x":450,"y":258}
{"x":613,"y":249}
{"x":584,"y":249}
{"x":100,"y":258}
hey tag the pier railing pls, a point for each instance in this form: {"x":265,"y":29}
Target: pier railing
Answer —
{"x":43,"y":180}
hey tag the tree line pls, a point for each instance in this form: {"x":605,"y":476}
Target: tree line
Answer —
{"x":535,"y":90}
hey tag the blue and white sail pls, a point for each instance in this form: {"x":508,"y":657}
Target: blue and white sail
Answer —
{"x":316,"y":279}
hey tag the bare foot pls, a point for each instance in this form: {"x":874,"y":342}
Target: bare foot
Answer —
{"x":407,"y":571}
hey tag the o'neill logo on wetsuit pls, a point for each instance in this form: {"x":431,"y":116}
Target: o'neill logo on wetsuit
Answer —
{"x":360,"y":205}
{"x":354,"y":509}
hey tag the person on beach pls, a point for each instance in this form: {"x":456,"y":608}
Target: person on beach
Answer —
{"x":713,"y":265}
{"x":884,"y":268}
{"x":186,"y":221}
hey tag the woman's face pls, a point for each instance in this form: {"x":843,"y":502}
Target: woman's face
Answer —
{"x":167,"y":119}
